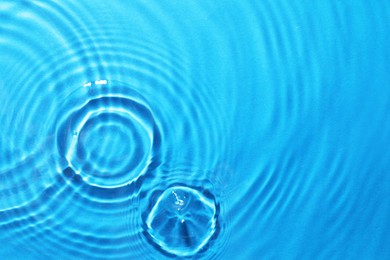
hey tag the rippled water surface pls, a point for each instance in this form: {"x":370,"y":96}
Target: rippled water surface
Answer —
{"x":194,"y":129}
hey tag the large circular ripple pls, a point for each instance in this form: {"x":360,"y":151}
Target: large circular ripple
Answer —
{"x":108,"y":138}
{"x":100,"y":108}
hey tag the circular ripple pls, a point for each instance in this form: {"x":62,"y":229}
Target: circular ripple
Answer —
{"x":109,"y":136}
{"x":182,"y":221}
{"x":96,"y":132}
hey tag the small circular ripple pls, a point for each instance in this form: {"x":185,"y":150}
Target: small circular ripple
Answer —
{"x":109,"y":138}
{"x":182,"y":221}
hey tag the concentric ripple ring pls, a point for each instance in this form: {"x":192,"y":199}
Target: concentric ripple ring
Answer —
{"x":109,"y":136}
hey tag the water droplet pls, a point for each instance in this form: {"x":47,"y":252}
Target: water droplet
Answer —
{"x":182,"y":221}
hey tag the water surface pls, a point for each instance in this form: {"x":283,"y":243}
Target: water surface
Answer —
{"x":194,"y":129}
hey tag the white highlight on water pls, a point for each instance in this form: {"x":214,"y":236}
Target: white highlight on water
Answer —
{"x":101,"y":82}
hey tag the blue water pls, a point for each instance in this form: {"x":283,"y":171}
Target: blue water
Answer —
{"x":194,"y":129}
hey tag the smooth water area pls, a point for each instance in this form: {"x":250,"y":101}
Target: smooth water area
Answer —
{"x":191,"y":129}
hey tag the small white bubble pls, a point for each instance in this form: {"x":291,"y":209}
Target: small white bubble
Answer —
{"x":101,"y":82}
